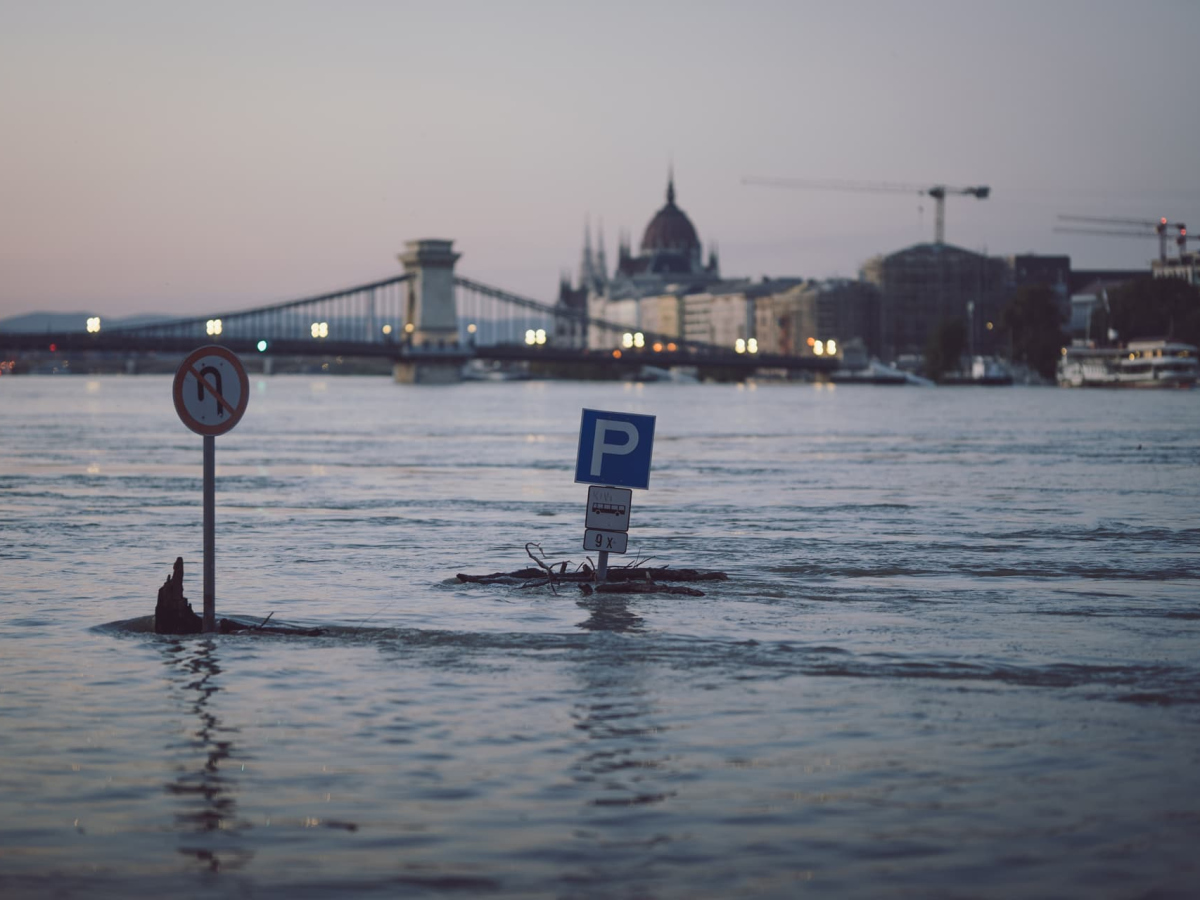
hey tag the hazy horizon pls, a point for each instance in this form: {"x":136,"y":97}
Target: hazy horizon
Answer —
{"x":176,"y":159}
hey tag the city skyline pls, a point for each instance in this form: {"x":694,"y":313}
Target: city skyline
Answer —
{"x":177,"y":160}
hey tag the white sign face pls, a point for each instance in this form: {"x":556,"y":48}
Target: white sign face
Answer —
{"x":610,"y":541}
{"x":211,"y":390}
{"x":608,"y":508}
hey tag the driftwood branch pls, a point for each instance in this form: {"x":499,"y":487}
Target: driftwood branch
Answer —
{"x":634,"y":577}
{"x":619,"y":574}
{"x":548,"y":568}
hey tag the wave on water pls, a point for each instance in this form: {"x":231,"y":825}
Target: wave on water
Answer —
{"x":745,"y":660}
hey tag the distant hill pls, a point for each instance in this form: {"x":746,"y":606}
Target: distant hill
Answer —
{"x":40,"y":323}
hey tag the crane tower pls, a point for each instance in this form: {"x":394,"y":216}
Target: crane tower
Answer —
{"x":1111,"y":226}
{"x":938,"y":192}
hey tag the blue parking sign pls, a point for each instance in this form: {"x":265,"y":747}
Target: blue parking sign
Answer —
{"x":614,"y":449}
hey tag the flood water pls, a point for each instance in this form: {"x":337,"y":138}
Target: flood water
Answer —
{"x":958,"y":654}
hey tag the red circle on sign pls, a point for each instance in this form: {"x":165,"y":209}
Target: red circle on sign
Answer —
{"x":233,"y":411}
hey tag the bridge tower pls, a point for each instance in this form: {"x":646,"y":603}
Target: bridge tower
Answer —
{"x":432,"y":313}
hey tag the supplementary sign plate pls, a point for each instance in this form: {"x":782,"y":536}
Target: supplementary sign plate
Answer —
{"x":608,"y":508}
{"x":611,"y":541}
{"x":614,"y":449}
{"x":211,"y":390}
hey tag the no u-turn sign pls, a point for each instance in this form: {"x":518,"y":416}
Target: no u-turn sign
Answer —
{"x":211,"y":390}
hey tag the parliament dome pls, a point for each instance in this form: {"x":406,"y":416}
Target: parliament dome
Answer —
{"x":671,"y":229}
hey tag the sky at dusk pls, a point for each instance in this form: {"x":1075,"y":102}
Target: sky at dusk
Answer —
{"x":184,"y":158}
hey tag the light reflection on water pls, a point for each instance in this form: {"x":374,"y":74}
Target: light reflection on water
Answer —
{"x":958,"y":653}
{"x":207,"y":794}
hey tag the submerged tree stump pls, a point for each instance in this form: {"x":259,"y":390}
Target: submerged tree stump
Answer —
{"x":172,"y":613}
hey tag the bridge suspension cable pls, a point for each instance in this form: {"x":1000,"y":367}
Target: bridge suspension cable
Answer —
{"x":557,"y":313}
{"x":366,"y":313}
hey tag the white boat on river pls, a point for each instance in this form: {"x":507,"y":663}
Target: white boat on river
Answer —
{"x":1140,"y":364}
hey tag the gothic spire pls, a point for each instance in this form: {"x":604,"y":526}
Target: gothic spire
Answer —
{"x":601,"y":261}
{"x":586,"y":263}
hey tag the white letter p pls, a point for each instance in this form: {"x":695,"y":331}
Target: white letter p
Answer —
{"x":600,"y":446}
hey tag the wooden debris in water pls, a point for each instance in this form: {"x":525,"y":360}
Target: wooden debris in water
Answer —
{"x":634,"y":578}
{"x":172,"y":613}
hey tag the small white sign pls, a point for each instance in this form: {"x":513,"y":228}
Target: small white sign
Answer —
{"x":610,"y":541}
{"x":608,"y":508}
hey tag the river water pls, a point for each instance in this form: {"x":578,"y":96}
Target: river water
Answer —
{"x":958,"y":654}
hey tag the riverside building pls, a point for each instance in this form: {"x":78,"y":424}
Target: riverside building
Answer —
{"x":925,"y":285}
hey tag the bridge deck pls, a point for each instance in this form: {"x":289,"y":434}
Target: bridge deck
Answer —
{"x":117,"y":342}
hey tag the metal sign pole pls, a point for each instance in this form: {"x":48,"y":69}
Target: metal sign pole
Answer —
{"x":210,"y":504}
{"x":602,"y":566}
{"x":210,"y":392}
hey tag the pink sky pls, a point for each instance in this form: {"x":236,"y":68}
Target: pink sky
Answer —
{"x":182,"y":158}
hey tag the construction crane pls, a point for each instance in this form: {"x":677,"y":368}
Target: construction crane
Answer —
{"x":938,"y":192}
{"x":1182,"y":239}
{"x":1122,"y":227}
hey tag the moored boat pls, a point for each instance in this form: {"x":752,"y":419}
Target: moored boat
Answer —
{"x":1139,"y":364}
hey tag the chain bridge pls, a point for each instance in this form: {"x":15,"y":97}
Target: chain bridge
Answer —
{"x":428,"y":321}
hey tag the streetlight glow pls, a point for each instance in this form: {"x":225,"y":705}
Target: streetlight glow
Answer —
{"x":93,"y":325}
{"x":320,"y":329}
